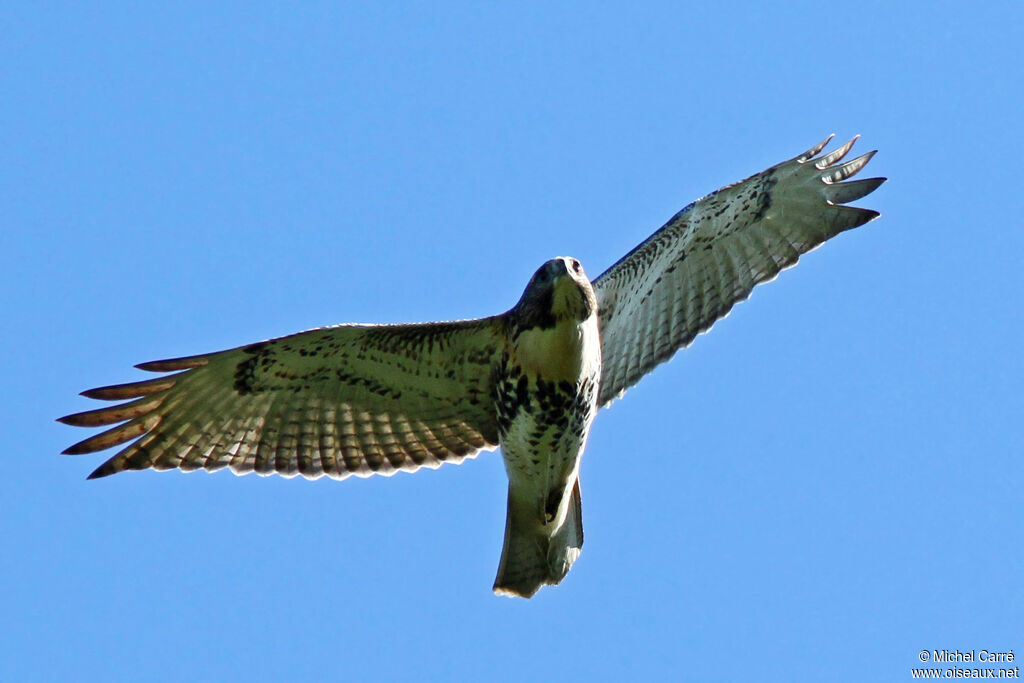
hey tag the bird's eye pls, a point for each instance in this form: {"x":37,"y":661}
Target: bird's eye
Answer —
{"x":576,"y":267}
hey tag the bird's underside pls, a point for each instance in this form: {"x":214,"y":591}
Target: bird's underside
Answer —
{"x":374,"y":399}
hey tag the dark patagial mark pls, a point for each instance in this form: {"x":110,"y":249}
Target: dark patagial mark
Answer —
{"x":764,"y":198}
{"x":245,"y":373}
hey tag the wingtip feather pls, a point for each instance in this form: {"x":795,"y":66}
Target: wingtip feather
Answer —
{"x":104,"y":470}
{"x":115,"y":436}
{"x":841,"y":193}
{"x":853,"y":166}
{"x":118,"y":392}
{"x":172,"y":364}
{"x":118,"y":413}
{"x":806,"y":156}
{"x":836,"y":155}
{"x":849,"y":217}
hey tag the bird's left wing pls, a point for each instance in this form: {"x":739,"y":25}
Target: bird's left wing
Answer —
{"x":710,"y":255}
{"x":351,"y":399}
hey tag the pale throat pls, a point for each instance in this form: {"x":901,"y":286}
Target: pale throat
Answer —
{"x":568,"y":351}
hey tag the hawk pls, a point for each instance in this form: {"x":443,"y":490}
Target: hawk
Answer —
{"x":375,"y":399}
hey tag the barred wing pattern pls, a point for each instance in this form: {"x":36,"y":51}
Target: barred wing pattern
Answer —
{"x":710,"y":255}
{"x":335,"y":401}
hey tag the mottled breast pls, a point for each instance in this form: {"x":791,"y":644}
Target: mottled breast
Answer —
{"x":546,"y":398}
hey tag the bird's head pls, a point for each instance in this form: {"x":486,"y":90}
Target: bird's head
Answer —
{"x":559,"y":290}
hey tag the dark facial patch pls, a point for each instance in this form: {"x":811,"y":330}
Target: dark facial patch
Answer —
{"x":534,"y":310}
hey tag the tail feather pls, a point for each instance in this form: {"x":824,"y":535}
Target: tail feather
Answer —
{"x":534,"y":556}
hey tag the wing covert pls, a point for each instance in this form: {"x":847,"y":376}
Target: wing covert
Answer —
{"x":710,"y":255}
{"x":335,"y":401}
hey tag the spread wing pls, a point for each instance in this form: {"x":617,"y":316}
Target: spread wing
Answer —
{"x":710,"y":255}
{"x":343,"y":400}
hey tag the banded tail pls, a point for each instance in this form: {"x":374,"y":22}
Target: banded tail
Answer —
{"x":532,"y":556}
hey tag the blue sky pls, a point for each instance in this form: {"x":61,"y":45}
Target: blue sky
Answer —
{"x":824,"y":485}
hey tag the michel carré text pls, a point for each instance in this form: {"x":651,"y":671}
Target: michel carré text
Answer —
{"x":971,"y":656}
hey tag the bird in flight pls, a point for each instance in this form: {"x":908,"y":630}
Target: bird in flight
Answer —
{"x":375,"y":399}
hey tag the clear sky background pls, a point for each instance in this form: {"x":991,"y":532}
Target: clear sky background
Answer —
{"x":826,"y":484}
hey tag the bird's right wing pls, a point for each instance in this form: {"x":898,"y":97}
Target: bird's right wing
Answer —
{"x":710,"y":255}
{"x":351,"y":399}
